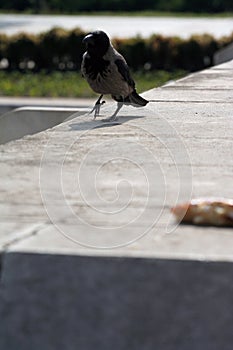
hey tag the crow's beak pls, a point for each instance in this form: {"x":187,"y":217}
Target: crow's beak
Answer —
{"x":88,"y":39}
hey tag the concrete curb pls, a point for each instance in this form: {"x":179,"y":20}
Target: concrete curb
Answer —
{"x":72,"y":194}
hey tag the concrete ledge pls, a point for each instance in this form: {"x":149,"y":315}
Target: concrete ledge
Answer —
{"x":7,"y":104}
{"x":91,"y":257}
{"x":30,"y":120}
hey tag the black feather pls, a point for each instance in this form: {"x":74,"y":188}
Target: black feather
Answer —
{"x":135,"y":99}
{"x":124,"y":71}
{"x":95,"y":66}
{"x":97,"y":43}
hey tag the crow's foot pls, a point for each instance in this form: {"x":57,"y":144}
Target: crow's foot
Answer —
{"x":114,"y":117}
{"x":96,"y":108}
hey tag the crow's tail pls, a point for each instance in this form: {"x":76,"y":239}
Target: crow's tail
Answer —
{"x":135,"y":99}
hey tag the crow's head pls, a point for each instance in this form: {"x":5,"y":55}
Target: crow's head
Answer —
{"x":97,"y":43}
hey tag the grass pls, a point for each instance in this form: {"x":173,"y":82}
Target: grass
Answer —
{"x":148,"y":80}
{"x":70,"y":84}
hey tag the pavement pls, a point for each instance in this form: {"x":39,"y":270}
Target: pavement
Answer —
{"x":183,"y":131}
{"x":90,"y":250}
{"x":9,"y":103}
{"x":26,"y":116}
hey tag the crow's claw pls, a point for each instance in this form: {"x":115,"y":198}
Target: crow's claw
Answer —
{"x":96,"y":108}
{"x":114,"y":117}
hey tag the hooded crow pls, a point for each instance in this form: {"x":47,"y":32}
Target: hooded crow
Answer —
{"x":107,"y":72}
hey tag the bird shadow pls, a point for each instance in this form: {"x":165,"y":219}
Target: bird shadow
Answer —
{"x":101,"y":123}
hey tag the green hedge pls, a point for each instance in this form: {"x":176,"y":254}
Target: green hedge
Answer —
{"x":62,"y":50}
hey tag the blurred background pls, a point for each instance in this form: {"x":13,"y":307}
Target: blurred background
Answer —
{"x":41,"y":41}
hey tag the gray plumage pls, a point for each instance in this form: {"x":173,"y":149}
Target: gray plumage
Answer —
{"x":107,"y":72}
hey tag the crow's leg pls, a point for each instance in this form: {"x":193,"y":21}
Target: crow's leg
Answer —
{"x":114,"y":116}
{"x":96,"y":108}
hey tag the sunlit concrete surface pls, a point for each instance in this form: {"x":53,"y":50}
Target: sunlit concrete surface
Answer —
{"x":91,"y":256}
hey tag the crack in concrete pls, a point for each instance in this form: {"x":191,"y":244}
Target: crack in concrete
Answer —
{"x":31,"y":231}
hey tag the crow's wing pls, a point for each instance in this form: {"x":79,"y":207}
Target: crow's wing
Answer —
{"x":124,"y":71}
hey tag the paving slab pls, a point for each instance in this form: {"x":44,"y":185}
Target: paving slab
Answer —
{"x":30,"y":120}
{"x":9,"y":103}
{"x":91,"y":255}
